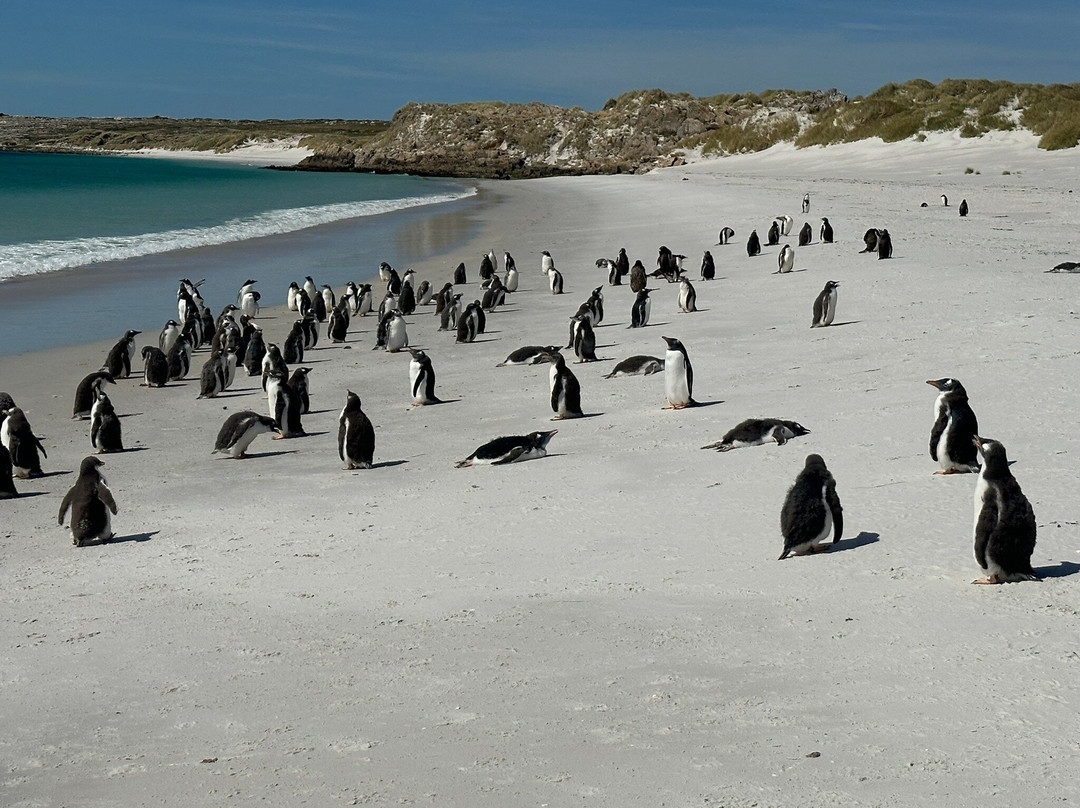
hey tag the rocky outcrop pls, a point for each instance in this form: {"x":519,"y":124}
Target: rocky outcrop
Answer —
{"x":633,"y":133}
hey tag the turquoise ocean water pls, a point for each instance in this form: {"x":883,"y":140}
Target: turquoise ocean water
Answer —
{"x":104,"y":237}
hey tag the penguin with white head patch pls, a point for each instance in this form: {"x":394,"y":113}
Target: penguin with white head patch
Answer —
{"x":512,"y":278}
{"x":356,"y":435}
{"x":687,"y":295}
{"x":678,"y":376}
{"x":952,"y":438}
{"x":397,"y":337}
{"x":555,"y":281}
{"x":90,"y":502}
{"x":239,"y":430}
{"x":22,"y":444}
{"x":86,"y":393}
{"x":1005,"y":528}
{"x":639,"y":365}
{"x":105,"y":433}
{"x":510,"y":449}
{"x":811,"y":510}
{"x":565,"y":389}
{"x":825,"y":305}
{"x":422,"y":379}
{"x":756,"y":431}
{"x":284,"y":405}
{"x":299,"y":383}
{"x":529,"y":355}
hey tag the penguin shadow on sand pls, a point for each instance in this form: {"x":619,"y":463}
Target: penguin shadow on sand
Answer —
{"x":29,"y":494}
{"x":260,"y":455}
{"x":1063,"y":570}
{"x":864,"y":538}
{"x":382,"y":464}
{"x":136,"y":537}
{"x":46,"y":474}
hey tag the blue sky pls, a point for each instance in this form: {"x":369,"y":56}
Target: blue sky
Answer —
{"x":322,"y":59}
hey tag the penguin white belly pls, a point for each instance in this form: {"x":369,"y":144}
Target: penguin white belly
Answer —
{"x":512,"y":280}
{"x":396,"y":338}
{"x":273,"y":389}
{"x":678,"y":391}
{"x":828,"y":526}
{"x":244,"y":441}
{"x":981,"y":488}
{"x":830,"y":307}
{"x":5,"y":435}
{"x":248,"y":306}
{"x":942,"y":447}
{"x":414,"y":374}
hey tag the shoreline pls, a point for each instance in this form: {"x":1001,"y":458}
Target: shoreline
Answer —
{"x":607,"y":624}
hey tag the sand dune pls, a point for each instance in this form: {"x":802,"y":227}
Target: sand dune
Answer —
{"x":609,"y":624}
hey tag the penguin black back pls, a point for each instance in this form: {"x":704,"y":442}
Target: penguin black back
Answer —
{"x":811,"y":510}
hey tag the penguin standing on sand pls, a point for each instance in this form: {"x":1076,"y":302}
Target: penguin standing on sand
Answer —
{"x":294,"y":343}
{"x":805,"y":234}
{"x":1005,"y":527}
{"x":356,"y":435}
{"x":952,"y":439}
{"x":155,"y":367}
{"x":826,"y":234}
{"x":179,"y":359}
{"x":708,"y":268}
{"x":786,"y":223}
{"x":825,"y":305}
{"x":870,"y":239}
{"x":168,"y":336}
{"x":255,"y":352}
{"x":584,"y":339}
{"x":963,"y":207}
{"x":212,"y":377}
{"x":806,"y":203}
{"x":239,"y":430}
{"x":397,"y":337}
{"x":547,"y":263}
{"x":622,"y":263}
{"x":22,"y":444}
{"x":86,"y":393}
{"x":510,"y":449}
{"x":487,"y":268}
{"x":678,"y":376}
{"x":725,"y":236}
{"x":687,"y":296}
{"x":7,"y":482}
{"x":753,"y":244}
{"x":639,"y":313}
{"x":555,"y":281}
{"x":638,"y":279}
{"x":292,"y":299}
{"x":450,"y":319}
{"x":299,"y":383}
{"x":612,"y":269}
{"x":565,"y":389}
{"x":338,"y":328}
{"x":944,"y":201}
{"x":285,"y":405}
{"x":884,"y":244}
{"x":119,"y":360}
{"x":425,"y":291}
{"x":105,"y":426}
{"x":811,"y":510}
{"x":512,"y":279}
{"x":90,"y":501}
{"x":459,"y":274}
{"x":773,"y":236}
{"x":785,"y":260}
{"x":422,"y":379}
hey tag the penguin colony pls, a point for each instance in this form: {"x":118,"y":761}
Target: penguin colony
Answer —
{"x":811,"y":513}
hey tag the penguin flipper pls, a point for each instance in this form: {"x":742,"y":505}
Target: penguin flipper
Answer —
{"x":511,"y":456}
{"x":837,"y":509}
{"x":95,"y":429}
{"x":936,"y":432}
{"x":340,"y":440}
{"x":985,"y":528}
{"x":68,"y":497}
{"x":105,"y":495}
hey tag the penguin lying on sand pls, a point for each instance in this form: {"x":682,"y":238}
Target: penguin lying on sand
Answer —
{"x":512,"y":449}
{"x":756,"y":431}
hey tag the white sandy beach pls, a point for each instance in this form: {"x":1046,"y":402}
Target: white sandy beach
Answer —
{"x":281,"y":152}
{"x":609,"y":625}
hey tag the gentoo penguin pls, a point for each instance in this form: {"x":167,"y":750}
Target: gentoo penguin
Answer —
{"x":870,"y":241}
{"x":825,"y":305}
{"x":584,"y":339}
{"x":785,"y":260}
{"x":86,"y":393}
{"x":249,"y":303}
{"x":622,"y":262}
{"x":22,"y":445}
{"x":1004,"y":521}
{"x":293,"y":348}
{"x":944,"y":200}
{"x":185,"y":304}
{"x":422,"y":379}
{"x":963,"y":207}
{"x":884,"y":244}
{"x":273,"y":363}
{"x":467,"y":325}
{"x":7,"y":482}
{"x":338,"y":327}
{"x":318,"y":308}
{"x":239,"y":430}
{"x":356,"y":436}
{"x":666,"y":266}
{"x":105,"y":426}
{"x":384,"y":272}
{"x":212,"y":377}
{"x":510,"y":449}
{"x":826,"y":234}
{"x":555,"y":281}
{"x":397,"y":337}
{"x":805,"y":234}
{"x":155,"y":367}
{"x":638,"y":278}
{"x":495,"y":295}
{"x":228,"y":366}
{"x":255,"y":352}
{"x":687,"y":296}
{"x":425,"y":291}
{"x":678,"y":376}
{"x":612,"y":270}
{"x":364,"y":304}
{"x":168,"y":336}
{"x":459,"y":274}
{"x":786,"y":223}
{"x":639,"y":313}
{"x":725,"y":236}
{"x":1066,"y":266}
{"x":952,"y":439}
{"x":310,"y":289}
{"x":565,"y":389}
{"x":756,"y":431}
{"x":245,"y":287}
{"x":708,"y":268}
{"x":179,"y":359}
{"x":292,"y":301}
{"x":119,"y":360}
{"x":451,"y":312}
{"x":773,"y":236}
{"x":547,"y":263}
{"x":310,"y":325}
{"x":637,"y":366}
{"x":90,"y":501}
{"x":6,"y":403}
{"x":444,"y":296}
{"x":753,"y":244}
{"x":806,"y":203}
{"x":487,"y":268}
{"x":811,"y":510}
{"x":529,"y":355}
{"x":299,"y":383}
{"x":329,"y":300}
{"x":596,"y":303}
{"x":512,"y":279}
{"x":284,"y":405}
{"x":493,"y":258}
{"x":393,"y":284}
